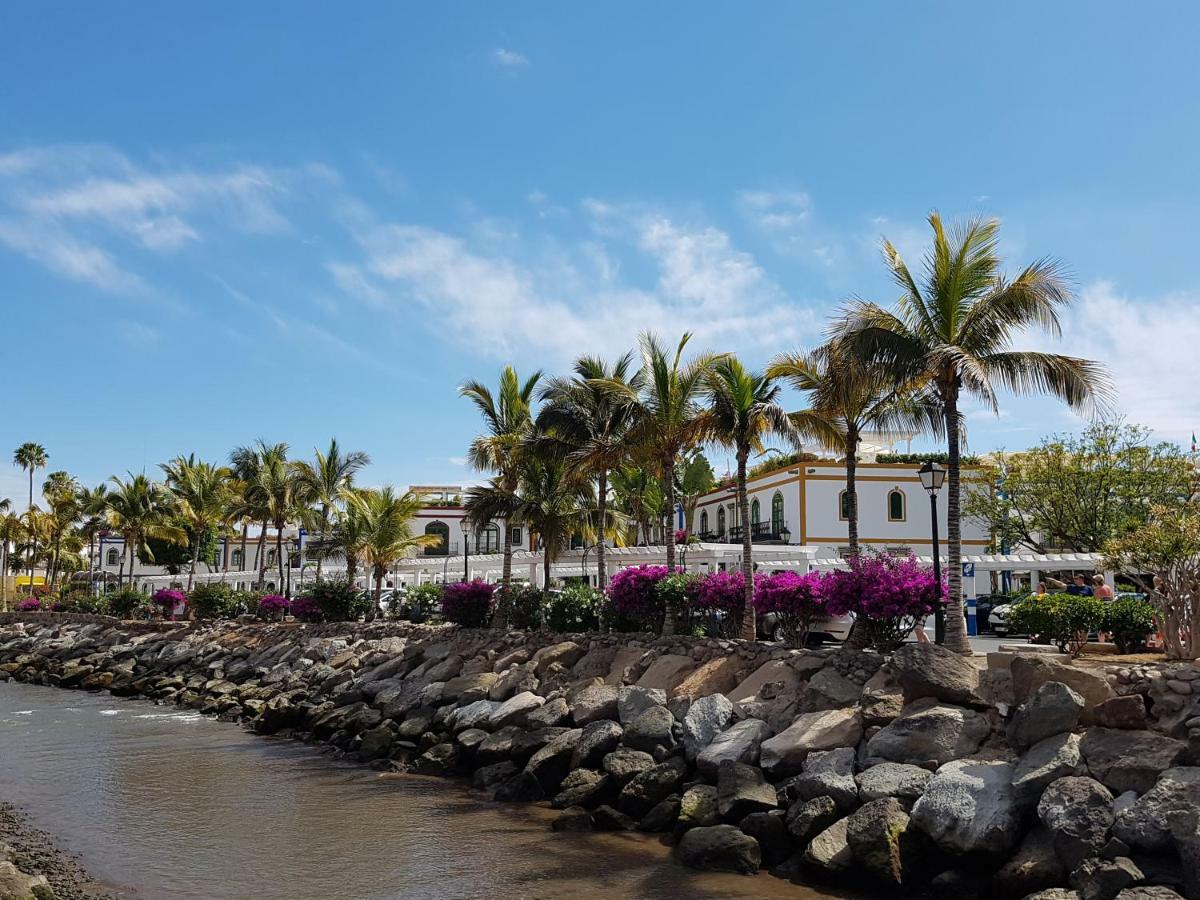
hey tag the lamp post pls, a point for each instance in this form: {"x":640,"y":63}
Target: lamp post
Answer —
{"x":466,"y":533}
{"x":785,"y":535}
{"x":932,"y":476}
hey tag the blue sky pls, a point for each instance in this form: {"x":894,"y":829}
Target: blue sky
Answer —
{"x":226,"y":221}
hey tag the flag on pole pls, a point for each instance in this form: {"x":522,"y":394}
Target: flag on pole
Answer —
{"x":1193,"y":442}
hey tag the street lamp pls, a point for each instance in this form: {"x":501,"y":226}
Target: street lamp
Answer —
{"x":466,"y":533}
{"x":785,"y":535}
{"x":932,"y":476}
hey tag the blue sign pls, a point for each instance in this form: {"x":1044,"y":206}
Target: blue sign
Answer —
{"x":968,"y":570}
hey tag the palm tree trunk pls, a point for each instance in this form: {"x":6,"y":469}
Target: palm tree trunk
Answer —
{"x":378,"y":593}
{"x":279,"y":551}
{"x":32,"y":534}
{"x":602,"y":509}
{"x":192,"y":568}
{"x":324,"y":528}
{"x":749,"y":624}
{"x":956,"y":631}
{"x":500,"y":617}
{"x":852,"y":489}
{"x":243,"y":565}
{"x":260,"y":560}
{"x":669,"y":474}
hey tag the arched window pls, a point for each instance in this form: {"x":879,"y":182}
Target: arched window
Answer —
{"x":235,"y":559}
{"x":755,"y":512}
{"x":777,"y":513}
{"x":897,"y":507}
{"x":113,"y":557}
{"x":704,"y":522}
{"x":270,"y":557}
{"x":442,"y":530}
{"x":721,"y":521}
{"x":489,"y":539}
{"x":844,"y":506}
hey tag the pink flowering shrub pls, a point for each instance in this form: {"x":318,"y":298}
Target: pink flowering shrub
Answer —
{"x":887,"y":594}
{"x":273,"y":607}
{"x":306,"y":609}
{"x":30,"y":604}
{"x":468,"y":603}
{"x":796,"y":600}
{"x":634,"y":601}
{"x":168,"y":600}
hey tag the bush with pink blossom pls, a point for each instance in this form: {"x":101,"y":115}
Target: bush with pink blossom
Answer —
{"x":170,"y":601}
{"x":273,"y":607}
{"x":796,"y":601}
{"x":30,"y":604}
{"x":634,"y":600}
{"x":888,"y":595}
{"x":468,"y":603}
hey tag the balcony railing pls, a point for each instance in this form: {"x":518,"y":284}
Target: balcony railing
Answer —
{"x":760,"y":533}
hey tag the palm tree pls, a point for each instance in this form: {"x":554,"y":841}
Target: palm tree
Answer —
{"x":139,"y":510}
{"x":586,"y":423}
{"x":276,"y":491}
{"x":387,"y":532}
{"x":953,"y":331}
{"x":61,"y":492}
{"x":508,"y":421}
{"x":846,"y":398}
{"x":350,"y":532}
{"x":323,"y":481}
{"x":668,"y":421}
{"x":200,"y":490}
{"x":31,"y":456}
{"x":639,"y":494}
{"x":92,"y":504}
{"x":10,"y":533}
{"x":249,"y":465}
{"x":743,"y":411}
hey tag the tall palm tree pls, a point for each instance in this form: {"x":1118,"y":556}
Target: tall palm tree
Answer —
{"x":249,"y":465}
{"x":200,"y":491}
{"x":586,"y":423}
{"x":323,"y":480}
{"x":638,"y":494}
{"x":847,"y":397}
{"x":92,"y":504}
{"x":139,"y":510}
{"x":954,"y":330}
{"x":387,"y":532}
{"x":61,"y":492}
{"x":276,"y":491}
{"x":743,"y":410}
{"x":31,"y":456}
{"x":666,"y":391}
{"x":508,"y":421}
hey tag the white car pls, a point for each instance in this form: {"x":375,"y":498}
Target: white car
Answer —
{"x":998,"y":619}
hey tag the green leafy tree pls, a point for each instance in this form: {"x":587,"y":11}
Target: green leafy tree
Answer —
{"x":743,"y":411}
{"x":323,"y":481}
{"x":31,"y":456}
{"x":953,"y":333}
{"x":696,"y":478}
{"x":140,"y":511}
{"x":201,"y":497}
{"x":387,"y":523}
{"x":1077,"y":492}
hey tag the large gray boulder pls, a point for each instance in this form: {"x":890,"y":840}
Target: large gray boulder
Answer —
{"x":968,"y":807}
{"x":928,"y":732}
{"x":877,"y":834}
{"x":652,"y":730}
{"x":564,"y":654}
{"x":1079,"y":811}
{"x":551,"y":764}
{"x":785,"y":753}
{"x":698,"y":807}
{"x":829,"y":689}
{"x":742,"y":790}
{"x":903,"y":781}
{"x":651,"y":787}
{"x":827,"y":773}
{"x":515,"y":710}
{"x":1030,"y":672}
{"x":1046,"y":761}
{"x":473,"y":715}
{"x":1129,"y":760}
{"x":599,"y":738}
{"x":582,"y":787}
{"x":551,"y":714}
{"x":1053,"y":709}
{"x":807,"y":818}
{"x":624,"y":764}
{"x":931,"y":670}
{"x":1034,"y":867}
{"x":1146,"y":823}
{"x":720,"y":847}
{"x":705,"y":719}
{"x":830,"y":850}
{"x":741,"y":743}
{"x":632,"y":701}
{"x":593,"y":702}
{"x":1103,"y":879}
{"x":770,"y":830}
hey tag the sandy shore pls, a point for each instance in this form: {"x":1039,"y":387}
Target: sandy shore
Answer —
{"x":35,"y":852}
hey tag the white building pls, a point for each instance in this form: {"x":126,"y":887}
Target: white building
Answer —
{"x":805,"y":503}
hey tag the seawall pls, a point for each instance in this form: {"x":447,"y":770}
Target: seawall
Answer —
{"x":918,"y":773}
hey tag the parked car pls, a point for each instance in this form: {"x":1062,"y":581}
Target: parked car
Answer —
{"x":831,"y":628}
{"x":998,"y":618}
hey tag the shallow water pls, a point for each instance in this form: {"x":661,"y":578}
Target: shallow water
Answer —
{"x":165,"y":803}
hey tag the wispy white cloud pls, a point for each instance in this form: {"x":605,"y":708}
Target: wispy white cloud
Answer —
{"x":509,"y":59}
{"x":139,"y":334}
{"x":456,"y":460}
{"x":787,"y":219}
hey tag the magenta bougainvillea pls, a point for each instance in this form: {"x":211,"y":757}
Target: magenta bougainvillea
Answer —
{"x":724,"y":591}
{"x":30,"y":604}
{"x":273,"y":606}
{"x":168,"y":598}
{"x":888,"y":595}
{"x":468,"y":603}
{"x":634,"y":598}
{"x":795,"y":599}
{"x":306,"y":609}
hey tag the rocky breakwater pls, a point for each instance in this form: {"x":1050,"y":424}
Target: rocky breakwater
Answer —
{"x":918,"y":773}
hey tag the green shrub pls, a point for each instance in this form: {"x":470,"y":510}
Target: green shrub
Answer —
{"x":125,"y":601}
{"x":574,"y":608}
{"x":220,"y":601}
{"x":83,"y":602}
{"x":419,"y":603}
{"x":1063,"y":619}
{"x":338,"y":599}
{"x":1128,"y":621}
{"x":522,"y":606}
